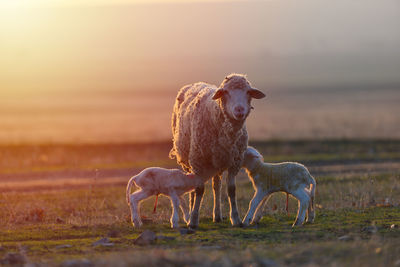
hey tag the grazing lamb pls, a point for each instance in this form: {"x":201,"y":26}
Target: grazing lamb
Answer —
{"x":210,"y":136}
{"x":267,"y":178}
{"x":154,"y":181}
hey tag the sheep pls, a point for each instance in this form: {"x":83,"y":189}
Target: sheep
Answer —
{"x":267,"y":178}
{"x":154,"y":181}
{"x":210,"y":136}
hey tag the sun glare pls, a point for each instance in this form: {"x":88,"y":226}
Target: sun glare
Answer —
{"x":7,"y":4}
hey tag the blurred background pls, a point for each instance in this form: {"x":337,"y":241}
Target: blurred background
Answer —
{"x":96,"y":71}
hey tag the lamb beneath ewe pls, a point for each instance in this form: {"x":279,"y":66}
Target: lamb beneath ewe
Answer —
{"x":210,"y":136}
{"x":154,"y":181}
{"x":267,"y":178}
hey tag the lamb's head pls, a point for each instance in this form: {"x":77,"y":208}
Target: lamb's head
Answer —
{"x":251,"y":157}
{"x":235,"y":94}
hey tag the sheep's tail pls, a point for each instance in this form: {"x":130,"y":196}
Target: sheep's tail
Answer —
{"x":128,"y":189}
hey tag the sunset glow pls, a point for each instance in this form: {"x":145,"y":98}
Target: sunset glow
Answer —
{"x":133,"y":52}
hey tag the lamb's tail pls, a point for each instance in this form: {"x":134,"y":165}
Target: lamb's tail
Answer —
{"x":128,"y":189}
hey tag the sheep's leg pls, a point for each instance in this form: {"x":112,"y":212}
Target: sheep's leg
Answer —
{"x":135,"y":200}
{"x":194,"y":215}
{"x":216,"y":184}
{"x":184,"y":209}
{"x":234,"y":214}
{"x":253,"y":206}
{"x":175,"y":209}
{"x":191,"y":200}
{"x":304,"y":201}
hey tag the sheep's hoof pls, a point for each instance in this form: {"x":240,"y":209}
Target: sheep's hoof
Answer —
{"x":240,"y":224}
{"x":217,"y":219}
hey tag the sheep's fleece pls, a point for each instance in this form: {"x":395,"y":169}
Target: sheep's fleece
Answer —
{"x":209,"y":132}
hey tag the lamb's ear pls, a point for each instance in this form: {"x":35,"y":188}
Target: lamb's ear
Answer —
{"x":219,"y":93}
{"x":255,"y":93}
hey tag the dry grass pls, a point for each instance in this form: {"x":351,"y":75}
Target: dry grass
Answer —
{"x":93,"y":205}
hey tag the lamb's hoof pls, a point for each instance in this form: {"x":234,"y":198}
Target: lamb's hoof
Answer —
{"x":297,"y":224}
{"x":137,"y":225}
{"x":245,"y":225}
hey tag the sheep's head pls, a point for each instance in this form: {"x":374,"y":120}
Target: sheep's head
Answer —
{"x":235,"y":94}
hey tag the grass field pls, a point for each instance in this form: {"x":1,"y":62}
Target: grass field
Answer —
{"x":57,"y":200}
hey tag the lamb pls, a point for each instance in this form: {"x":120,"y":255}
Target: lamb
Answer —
{"x":154,"y":181}
{"x":210,"y":136}
{"x":267,"y":178}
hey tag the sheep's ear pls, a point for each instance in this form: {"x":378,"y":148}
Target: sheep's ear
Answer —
{"x":218,"y":94}
{"x":255,"y":93}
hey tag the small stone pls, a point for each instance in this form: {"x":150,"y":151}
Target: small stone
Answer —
{"x":146,"y":238}
{"x":104,"y":242}
{"x":345,"y":238}
{"x":77,"y":263}
{"x":372,"y":229}
{"x":397,"y":263}
{"x":13,"y":259}
{"x":186,"y":231}
{"x":268,"y":263}
{"x":394,"y":226}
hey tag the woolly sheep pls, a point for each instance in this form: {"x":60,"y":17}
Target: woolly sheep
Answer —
{"x":210,"y":136}
{"x":267,"y":178}
{"x":154,"y":181}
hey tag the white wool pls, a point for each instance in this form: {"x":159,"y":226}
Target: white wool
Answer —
{"x":210,"y":136}
{"x":154,"y":181}
{"x":268,"y":178}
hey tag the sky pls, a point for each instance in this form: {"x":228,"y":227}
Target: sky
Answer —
{"x":67,"y":67}
{"x":129,"y":46}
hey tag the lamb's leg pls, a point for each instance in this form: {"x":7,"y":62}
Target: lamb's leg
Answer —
{"x":135,"y":200}
{"x":253,"y":206}
{"x":257,"y":217}
{"x":304,"y":201}
{"x":175,"y":209}
{"x":311,"y":209}
{"x":234,"y":214}
{"x":217,"y":215}
{"x":194,"y":215}
{"x":184,"y":209}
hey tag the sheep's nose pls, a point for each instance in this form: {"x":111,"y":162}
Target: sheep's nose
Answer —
{"x":239,"y":112}
{"x":239,"y":109}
